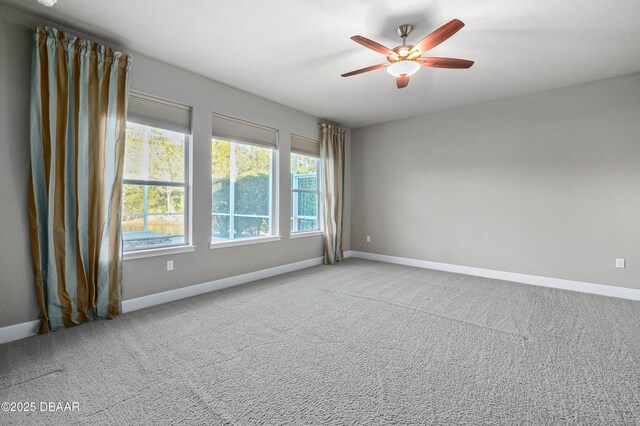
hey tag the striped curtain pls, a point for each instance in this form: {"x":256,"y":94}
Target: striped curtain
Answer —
{"x":332,"y":149}
{"x":78,"y":122}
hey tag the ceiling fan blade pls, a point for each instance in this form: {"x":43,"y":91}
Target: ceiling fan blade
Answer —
{"x":445,"y":63}
{"x":374,"y":46}
{"x":438,"y":36}
{"x":363,"y":70}
{"x":402,"y":81}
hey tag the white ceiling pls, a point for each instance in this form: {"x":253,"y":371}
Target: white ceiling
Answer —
{"x":293,"y":51}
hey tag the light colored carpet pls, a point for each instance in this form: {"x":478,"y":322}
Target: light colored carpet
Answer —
{"x":358,"y":343}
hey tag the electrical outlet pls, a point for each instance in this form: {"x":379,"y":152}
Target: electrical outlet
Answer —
{"x":368,"y":238}
{"x":169,"y":265}
{"x":619,"y":263}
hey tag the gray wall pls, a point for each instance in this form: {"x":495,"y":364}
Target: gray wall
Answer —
{"x":141,"y":276}
{"x":547,"y":184}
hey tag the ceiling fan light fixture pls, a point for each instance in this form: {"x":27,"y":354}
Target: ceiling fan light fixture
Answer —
{"x":403,"y":51}
{"x":416,"y":54}
{"x":403,"y":68}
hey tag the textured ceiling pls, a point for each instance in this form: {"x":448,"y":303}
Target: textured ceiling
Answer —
{"x":293,"y":51}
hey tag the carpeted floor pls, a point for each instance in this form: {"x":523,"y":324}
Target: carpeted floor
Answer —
{"x":358,"y":343}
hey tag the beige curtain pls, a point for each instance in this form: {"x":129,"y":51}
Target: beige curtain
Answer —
{"x":78,"y":117}
{"x":332,"y":152}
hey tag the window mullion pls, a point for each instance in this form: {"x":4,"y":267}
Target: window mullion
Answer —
{"x":232,"y":190}
{"x":294,"y":179}
{"x":146,"y":152}
{"x":153,"y":182}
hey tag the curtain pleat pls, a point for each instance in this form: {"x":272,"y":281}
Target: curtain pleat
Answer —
{"x":332,"y":159}
{"x":78,"y":119}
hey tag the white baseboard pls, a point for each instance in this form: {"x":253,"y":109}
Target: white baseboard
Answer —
{"x":26,"y":329}
{"x":194,"y":290}
{"x":19,"y":331}
{"x":603,"y":290}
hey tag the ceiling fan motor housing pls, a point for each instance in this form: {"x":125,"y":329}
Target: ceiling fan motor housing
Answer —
{"x":403,"y":31}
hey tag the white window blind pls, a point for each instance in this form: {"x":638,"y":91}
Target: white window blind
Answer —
{"x":159,"y":113}
{"x":305,"y":146}
{"x":226,"y":127}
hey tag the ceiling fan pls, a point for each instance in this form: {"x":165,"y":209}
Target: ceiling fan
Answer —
{"x":406,"y":60}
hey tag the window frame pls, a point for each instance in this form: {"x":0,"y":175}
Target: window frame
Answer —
{"x":292,"y":222}
{"x":187,"y":245}
{"x":274,"y":228}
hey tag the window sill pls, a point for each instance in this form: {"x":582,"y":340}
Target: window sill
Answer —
{"x":162,"y":251}
{"x":305,"y":234}
{"x":244,"y":241}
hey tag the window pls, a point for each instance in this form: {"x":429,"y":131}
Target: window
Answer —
{"x":305,"y":181}
{"x":304,"y":193}
{"x":155,"y":181}
{"x":242,"y":180}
